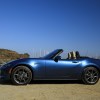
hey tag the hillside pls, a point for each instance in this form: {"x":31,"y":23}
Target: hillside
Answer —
{"x":7,"y":55}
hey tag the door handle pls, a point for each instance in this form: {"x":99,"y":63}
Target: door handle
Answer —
{"x":75,"y":61}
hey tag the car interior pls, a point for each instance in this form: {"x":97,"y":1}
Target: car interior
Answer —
{"x":73,"y":55}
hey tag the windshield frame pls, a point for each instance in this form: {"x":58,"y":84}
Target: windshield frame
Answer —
{"x":53,"y":54}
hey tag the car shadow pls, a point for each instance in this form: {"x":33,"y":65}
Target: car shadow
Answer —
{"x":56,"y":82}
{"x":6,"y":83}
{"x":46,"y":82}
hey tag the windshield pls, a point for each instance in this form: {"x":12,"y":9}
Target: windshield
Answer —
{"x":53,"y":54}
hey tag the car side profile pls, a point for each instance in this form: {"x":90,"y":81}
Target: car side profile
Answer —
{"x":52,"y":67}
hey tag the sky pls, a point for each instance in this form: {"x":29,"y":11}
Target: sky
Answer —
{"x":30,"y":25}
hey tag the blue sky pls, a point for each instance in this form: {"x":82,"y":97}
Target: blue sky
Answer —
{"x":28,"y":25}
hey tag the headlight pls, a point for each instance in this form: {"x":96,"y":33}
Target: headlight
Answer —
{"x":6,"y":65}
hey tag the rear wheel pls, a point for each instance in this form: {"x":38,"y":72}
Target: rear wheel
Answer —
{"x":21,"y":75}
{"x":90,"y":75}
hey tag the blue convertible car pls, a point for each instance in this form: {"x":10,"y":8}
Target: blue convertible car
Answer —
{"x":52,"y":67}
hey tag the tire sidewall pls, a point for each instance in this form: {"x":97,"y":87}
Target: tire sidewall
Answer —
{"x":83,"y":75}
{"x":21,"y":67}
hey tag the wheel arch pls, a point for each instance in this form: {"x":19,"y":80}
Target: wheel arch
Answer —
{"x":95,"y":66}
{"x":24,"y":65}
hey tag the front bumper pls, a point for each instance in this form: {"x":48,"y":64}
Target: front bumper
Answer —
{"x":4,"y":75}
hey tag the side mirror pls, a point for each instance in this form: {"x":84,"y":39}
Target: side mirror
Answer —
{"x":57,"y":58}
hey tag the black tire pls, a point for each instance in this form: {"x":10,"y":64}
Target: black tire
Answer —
{"x":21,"y":75}
{"x":90,"y":75}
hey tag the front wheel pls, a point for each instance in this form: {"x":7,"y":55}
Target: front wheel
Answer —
{"x":21,"y":75}
{"x":90,"y":75}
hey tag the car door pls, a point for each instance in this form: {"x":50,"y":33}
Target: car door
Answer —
{"x":62,"y":69}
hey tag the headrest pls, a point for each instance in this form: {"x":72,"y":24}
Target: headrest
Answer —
{"x":73,"y":55}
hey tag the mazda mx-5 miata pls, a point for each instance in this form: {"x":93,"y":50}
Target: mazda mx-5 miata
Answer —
{"x":52,"y":67}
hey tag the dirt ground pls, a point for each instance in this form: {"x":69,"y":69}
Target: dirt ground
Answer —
{"x":50,"y":90}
